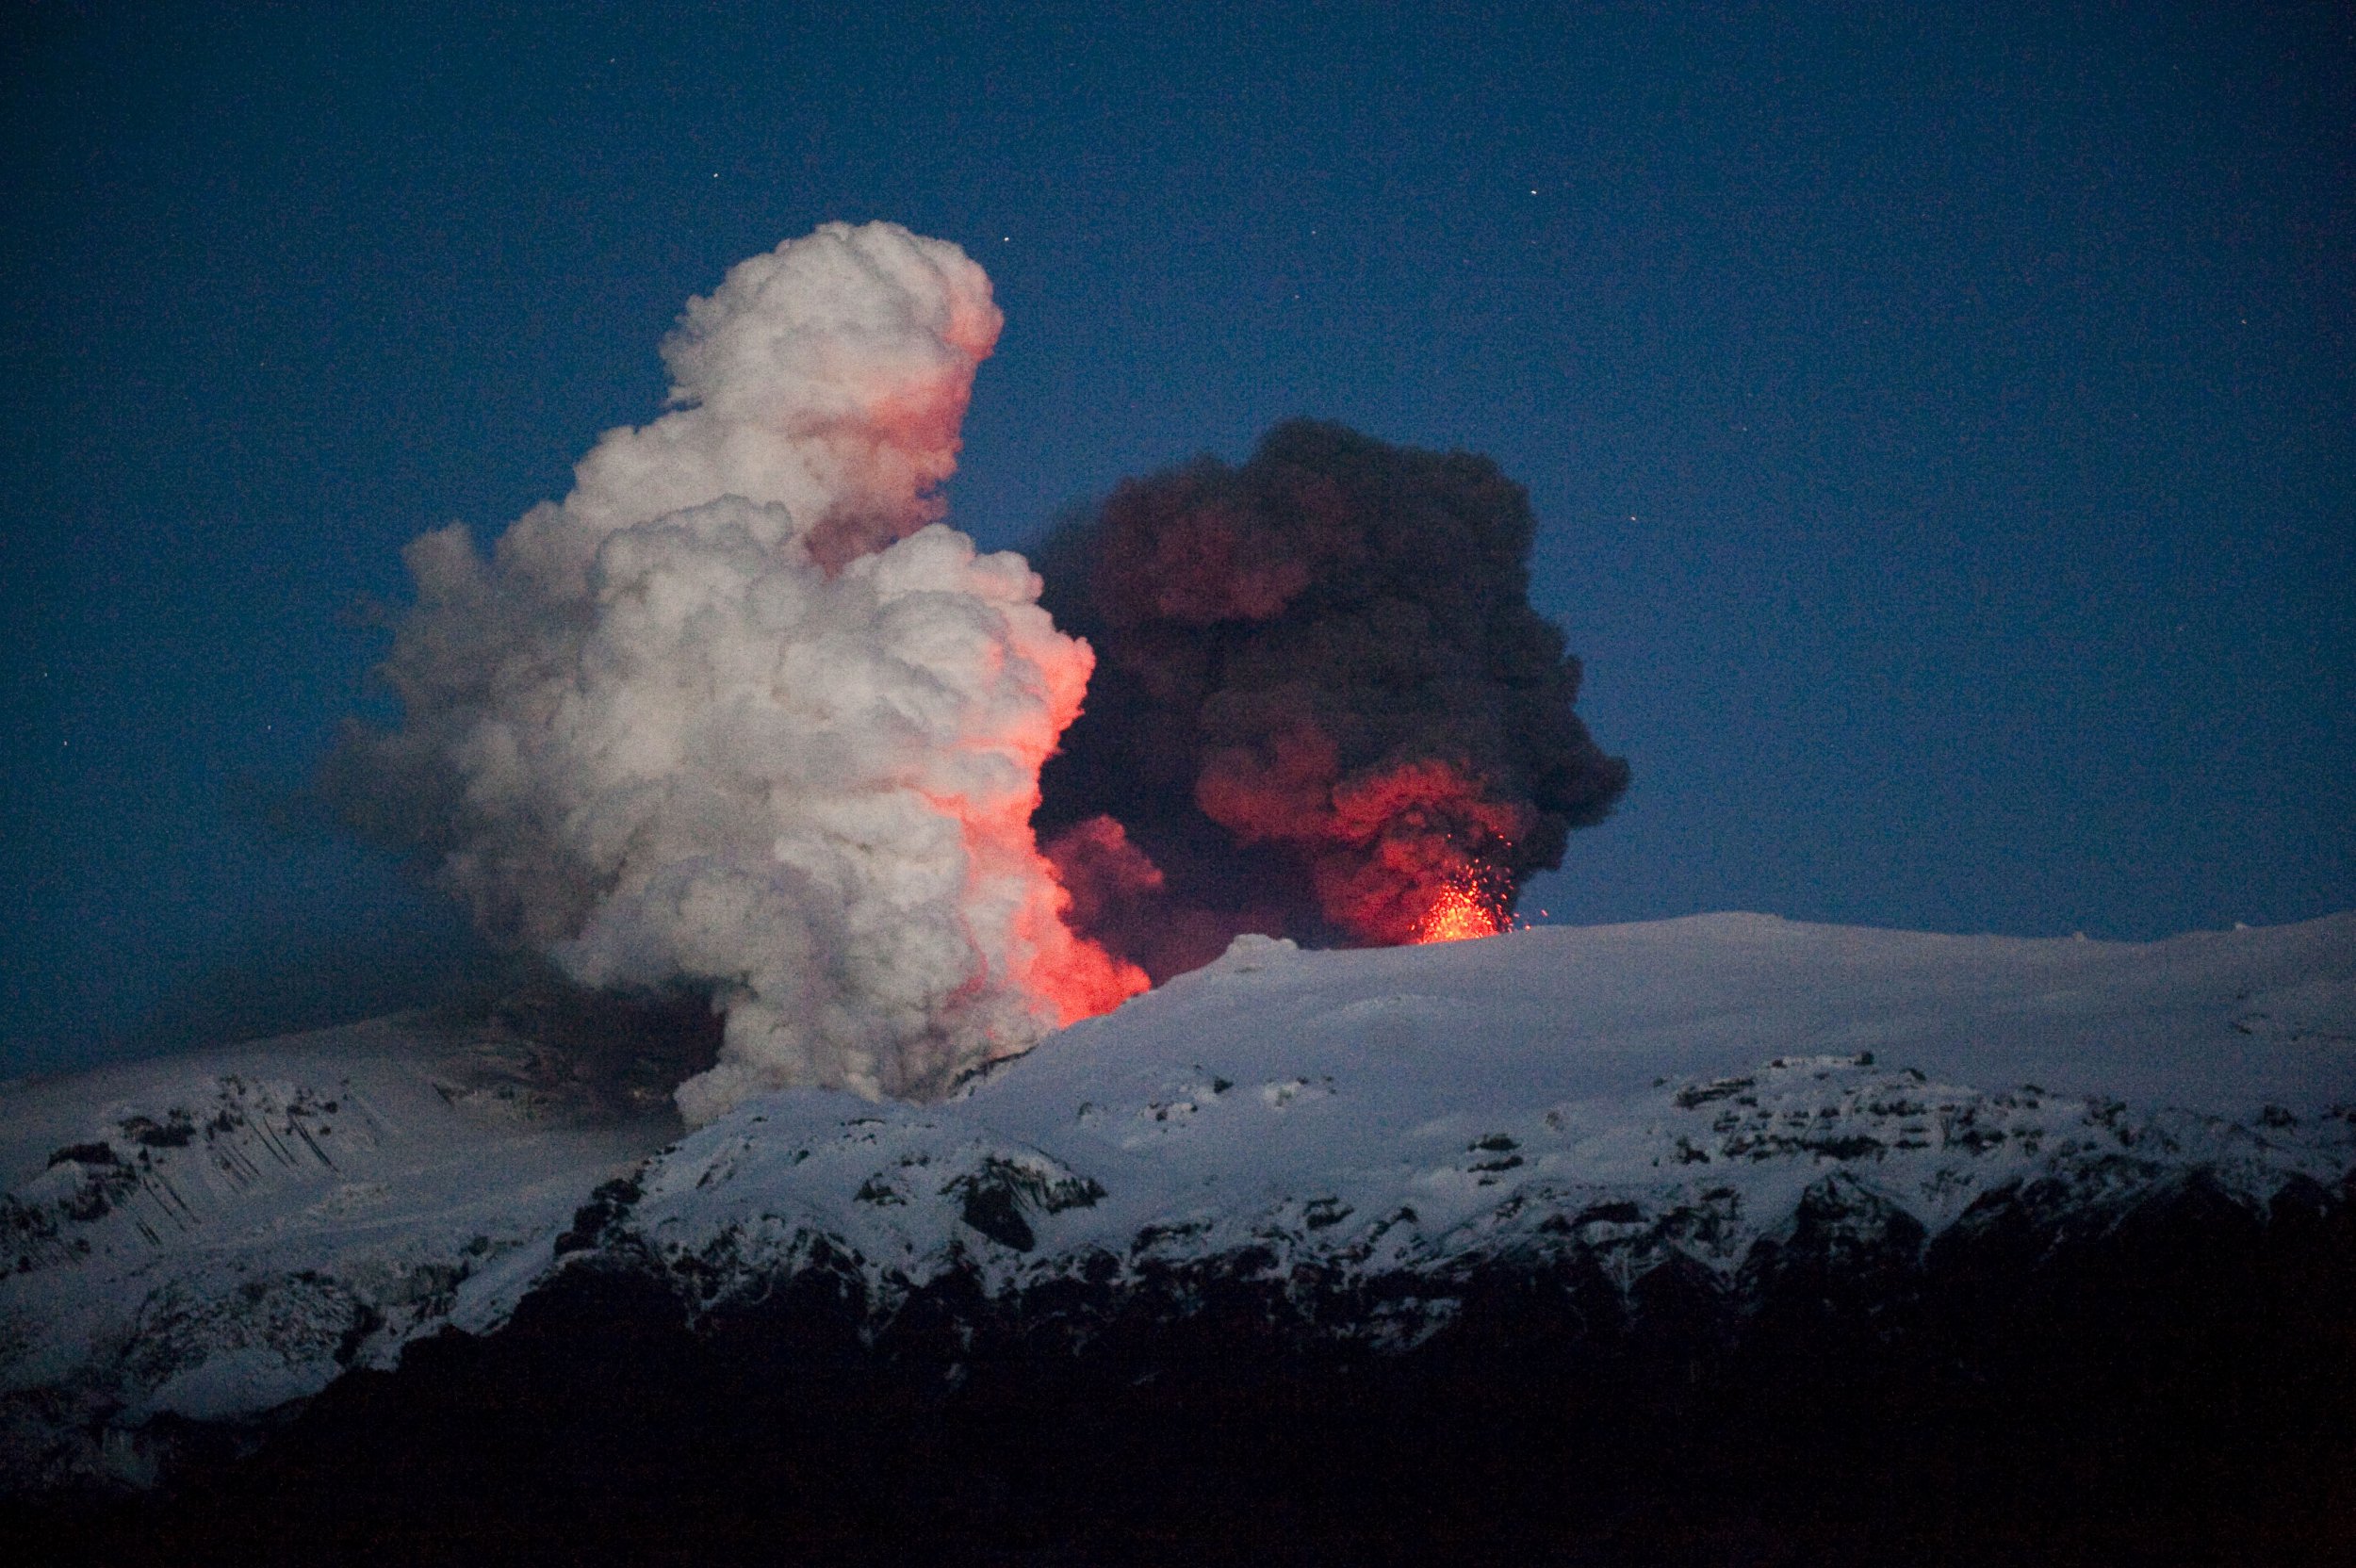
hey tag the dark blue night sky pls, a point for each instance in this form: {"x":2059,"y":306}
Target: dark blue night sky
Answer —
{"x":1943,"y":422}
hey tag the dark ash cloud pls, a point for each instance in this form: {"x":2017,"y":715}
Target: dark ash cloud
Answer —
{"x":1321,"y":702}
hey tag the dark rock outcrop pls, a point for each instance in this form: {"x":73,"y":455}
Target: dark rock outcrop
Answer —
{"x":2158,"y":1373}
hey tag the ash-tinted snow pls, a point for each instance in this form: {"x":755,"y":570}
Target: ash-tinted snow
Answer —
{"x":216,"y":1236}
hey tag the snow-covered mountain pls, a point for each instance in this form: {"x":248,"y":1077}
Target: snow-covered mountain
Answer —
{"x":198,"y":1242}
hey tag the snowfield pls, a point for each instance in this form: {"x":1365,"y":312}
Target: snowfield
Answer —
{"x":216,"y":1236}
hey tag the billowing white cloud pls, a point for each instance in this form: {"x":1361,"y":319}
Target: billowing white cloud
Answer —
{"x":740,"y":711}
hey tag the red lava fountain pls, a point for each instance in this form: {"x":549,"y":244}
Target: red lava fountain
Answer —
{"x":1461,"y":913}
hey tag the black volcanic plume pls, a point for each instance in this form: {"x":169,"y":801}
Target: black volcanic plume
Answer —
{"x":1322,"y":702}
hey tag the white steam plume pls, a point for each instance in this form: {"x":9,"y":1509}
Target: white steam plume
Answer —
{"x":739,"y":710}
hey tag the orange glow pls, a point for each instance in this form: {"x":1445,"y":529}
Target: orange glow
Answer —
{"x":1074,"y":977}
{"x":1461,"y":913}
{"x":1014,"y":907}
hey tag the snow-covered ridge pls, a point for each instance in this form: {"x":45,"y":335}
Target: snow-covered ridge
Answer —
{"x":1699,"y":1167}
{"x":211,"y":1237}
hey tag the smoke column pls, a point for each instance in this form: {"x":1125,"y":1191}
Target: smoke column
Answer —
{"x":1323,"y":706}
{"x":740,"y":711}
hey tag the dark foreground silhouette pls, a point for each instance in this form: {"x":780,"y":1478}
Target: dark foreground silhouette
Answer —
{"x":2174,"y":1385}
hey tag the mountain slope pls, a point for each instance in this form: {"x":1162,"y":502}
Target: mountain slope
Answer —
{"x":1679,"y":1129}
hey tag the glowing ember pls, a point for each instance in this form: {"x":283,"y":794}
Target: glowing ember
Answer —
{"x":1462,"y":911}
